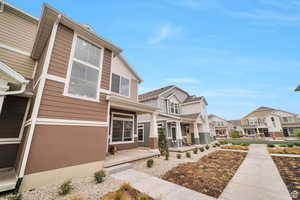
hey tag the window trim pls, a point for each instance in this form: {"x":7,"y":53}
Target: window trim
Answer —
{"x":142,"y":127}
{"x":111,"y":128}
{"x":129,"y":92}
{"x":69,"y":71}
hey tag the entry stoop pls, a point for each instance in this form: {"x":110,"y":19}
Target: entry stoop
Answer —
{"x":117,"y":168}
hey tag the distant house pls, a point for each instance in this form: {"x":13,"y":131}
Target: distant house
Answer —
{"x":298,"y":88}
{"x":268,"y":122}
{"x":237,"y":125}
{"x":183,"y":117}
{"x":219,"y":127}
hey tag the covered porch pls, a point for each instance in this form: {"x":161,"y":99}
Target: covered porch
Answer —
{"x":14,"y":106}
{"x":124,"y":133}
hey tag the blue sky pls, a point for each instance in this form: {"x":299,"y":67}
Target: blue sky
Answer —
{"x":238,"y":54}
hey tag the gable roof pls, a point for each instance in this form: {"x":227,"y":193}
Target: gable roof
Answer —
{"x":264,"y":108}
{"x":212,"y":115}
{"x":236,"y":122}
{"x":131,"y":69}
{"x":154,"y":93}
{"x":298,"y":88}
{"x":11,"y":74}
{"x":49,"y":16}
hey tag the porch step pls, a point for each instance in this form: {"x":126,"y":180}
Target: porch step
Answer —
{"x":117,"y":168}
{"x":8,"y":179}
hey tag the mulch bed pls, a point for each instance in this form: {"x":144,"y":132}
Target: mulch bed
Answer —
{"x":289,"y":168}
{"x":210,"y":174}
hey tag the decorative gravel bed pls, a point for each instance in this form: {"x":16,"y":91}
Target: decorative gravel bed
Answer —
{"x":161,"y":166}
{"x":289,"y":169}
{"x":210,"y":174}
{"x":84,"y":188}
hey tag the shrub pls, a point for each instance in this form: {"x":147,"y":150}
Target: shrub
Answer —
{"x":150,"y":163}
{"x":126,"y":187}
{"x":245,"y":144}
{"x":222,"y":142}
{"x":167,"y":156}
{"x":283,"y":145}
{"x":271,"y":145}
{"x":296,"y":133}
{"x":214,"y":146}
{"x":235,"y":147}
{"x":201,"y":149}
{"x":297,"y":144}
{"x":290,"y":150}
{"x":207,"y":147}
{"x":15,"y":197}
{"x":178,"y":156}
{"x":143,"y":196}
{"x":217,"y":144}
{"x":234,"y":134}
{"x":162,"y":142}
{"x":99,"y":176}
{"x":65,"y":188}
{"x":290,"y":145}
{"x":195,"y":151}
{"x":188,"y":154}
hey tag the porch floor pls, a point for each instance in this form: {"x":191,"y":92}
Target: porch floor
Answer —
{"x":8,"y":179}
{"x":125,"y":156}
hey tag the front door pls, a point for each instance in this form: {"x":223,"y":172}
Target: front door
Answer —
{"x":173,"y":131}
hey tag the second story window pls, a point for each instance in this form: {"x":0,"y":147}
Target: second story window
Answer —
{"x":120,"y":85}
{"x":83,"y":78}
{"x":174,"y":108}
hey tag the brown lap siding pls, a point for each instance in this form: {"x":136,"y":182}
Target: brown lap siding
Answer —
{"x":55,"y":147}
{"x":55,"y":105}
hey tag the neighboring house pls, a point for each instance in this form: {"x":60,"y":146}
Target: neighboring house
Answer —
{"x":237,"y":125}
{"x":268,"y":122}
{"x":219,"y":127}
{"x":183,"y":117}
{"x":298,"y":88}
{"x":66,"y":95}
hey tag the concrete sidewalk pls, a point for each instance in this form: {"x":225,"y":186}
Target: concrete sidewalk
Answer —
{"x":256,"y":179}
{"x":158,"y":188}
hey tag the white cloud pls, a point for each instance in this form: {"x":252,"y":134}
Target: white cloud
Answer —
{"x":237,"y":93}
{"x":181,"y":80}
{"x":165,"y":32}
{"x":266,"y":15}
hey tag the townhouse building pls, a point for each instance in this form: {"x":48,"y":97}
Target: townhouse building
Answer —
{"x":270,"y":122}
{"x":219,"y":127}
{"x":183,"y":117}
{"x":66,"y":96}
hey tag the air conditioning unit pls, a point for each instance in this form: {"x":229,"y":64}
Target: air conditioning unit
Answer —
{"x":1,"y":5}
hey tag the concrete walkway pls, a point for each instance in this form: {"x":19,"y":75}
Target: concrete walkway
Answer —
{"x":256,"y":179}
{"x":158,"y":188}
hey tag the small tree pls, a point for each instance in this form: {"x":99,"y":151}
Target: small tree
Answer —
{"x":296,"y":133}
{"x":234,"y":134}
{"x":162,"y":142}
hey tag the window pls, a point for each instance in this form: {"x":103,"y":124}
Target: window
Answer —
{"x":85,"y":71}
{"x":120,"y":85}
{"x":273,"y":121}
{"x":174,"y":108}
{"x":122,"y":128}
{"x":141,"y":133}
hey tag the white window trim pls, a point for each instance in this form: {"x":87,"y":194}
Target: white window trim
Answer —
{"x":111,"y":127}
{"x":72,"y":58}
{"x":141,"y":127}
{"x":129,"y":93}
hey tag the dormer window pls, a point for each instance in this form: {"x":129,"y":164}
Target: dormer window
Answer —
{"x":174,"y":108}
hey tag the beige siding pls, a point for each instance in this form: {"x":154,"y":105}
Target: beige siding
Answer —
{"x":18,"y":62}
{"x":134,"y":89}
{"x":17,"y":32}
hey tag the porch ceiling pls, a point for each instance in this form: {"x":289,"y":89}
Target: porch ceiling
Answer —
{"x":124,"y":104}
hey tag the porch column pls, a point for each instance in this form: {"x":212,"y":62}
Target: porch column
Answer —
{"x":196,"y":133}
{"x":178,"y":134}
{"x":153,"y":136}
{"x":3,"y":88}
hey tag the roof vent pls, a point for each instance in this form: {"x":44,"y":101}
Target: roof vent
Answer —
{"x":1,"y":5}
{"x":87,"y":26}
